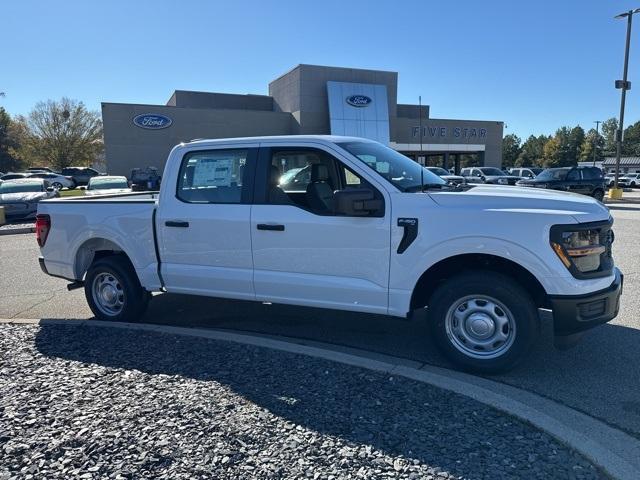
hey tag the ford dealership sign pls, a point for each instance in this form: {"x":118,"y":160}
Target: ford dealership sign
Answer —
{"x":152,"y":121}
{"x":359,"y":100}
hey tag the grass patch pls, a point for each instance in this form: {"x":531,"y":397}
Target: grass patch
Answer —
{"x":72,"y":193}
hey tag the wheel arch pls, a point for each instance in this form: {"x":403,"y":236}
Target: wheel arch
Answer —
{"x":93,"y":249}
{"x":450,"y":266}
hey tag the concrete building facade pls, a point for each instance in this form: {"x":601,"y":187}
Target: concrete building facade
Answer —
{"x":309,"y":99}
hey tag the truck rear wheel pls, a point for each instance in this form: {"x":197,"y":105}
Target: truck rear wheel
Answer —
{"x":113,"y":290}
{"x":483,"y":321}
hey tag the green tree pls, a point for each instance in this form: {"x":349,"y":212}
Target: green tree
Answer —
{"x":8,"y":143}
{"x":631,"y":140}
{"x":591,"y":140}
{"x":510,"y":149}
{"x":531,"y":152}
{"x":61,"y":133}
{"x":552,"y":152}
{"x":609,"y":128}
{"x":574,"y":144}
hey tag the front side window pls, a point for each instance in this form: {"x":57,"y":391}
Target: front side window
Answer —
{"x":310,"y":178}
{"x":405,"y":174}
{"x":212,"y":176}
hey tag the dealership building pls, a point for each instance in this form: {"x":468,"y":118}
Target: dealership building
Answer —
{"x":307,"y":100}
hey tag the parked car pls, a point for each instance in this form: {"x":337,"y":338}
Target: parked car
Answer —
{"x":629,"y":180}
{"x":361,"y":237}
{"x":609,"y":179}
{"x":145,"y":179}
{"x":525,"y":172}
{"x":488,"y":175}
{"x":107,"y":185}
{"x":583,"y":180}
{"x":41,"y":169}
{"x":20,"y":197}
{"x":13,"y":176}
{"x":445,"y":175}
{"x":56,"y":180}
{"x":80,"y":175}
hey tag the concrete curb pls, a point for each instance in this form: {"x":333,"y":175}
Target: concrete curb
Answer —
{"x":16,"y":231}
{"x":615,"y":452}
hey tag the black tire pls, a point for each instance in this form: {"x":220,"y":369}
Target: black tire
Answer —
{"x":598,"y":195}
{"x":520,"y":310}
{"x":57,"y":185}
{"x":132,"y":299}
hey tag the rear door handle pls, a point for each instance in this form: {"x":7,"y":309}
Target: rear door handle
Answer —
{"x":176,"y":223}
{"x":267,"y":226}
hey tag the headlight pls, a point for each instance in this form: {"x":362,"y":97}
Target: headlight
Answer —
{"x":583,"y":251}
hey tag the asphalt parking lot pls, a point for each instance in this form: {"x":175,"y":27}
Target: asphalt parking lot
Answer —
{"x":600,"y":376}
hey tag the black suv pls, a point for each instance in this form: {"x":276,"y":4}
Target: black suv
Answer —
{"x":80,"y":175}
{"x":584,"y":180}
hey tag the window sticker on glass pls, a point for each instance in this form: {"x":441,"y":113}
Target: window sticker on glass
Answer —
{"x":210,"y":172}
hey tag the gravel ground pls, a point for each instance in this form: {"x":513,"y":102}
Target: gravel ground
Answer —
{"x":81,"y":402}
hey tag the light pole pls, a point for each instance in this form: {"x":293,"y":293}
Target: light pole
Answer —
{"x":624,"y":85}
{"x":595,"y":141}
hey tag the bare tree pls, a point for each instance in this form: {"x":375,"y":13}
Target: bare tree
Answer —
{"x":61,"y":133}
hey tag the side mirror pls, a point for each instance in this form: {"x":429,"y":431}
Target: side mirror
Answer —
{"x":483,"y":178}
{"x":358,"y":202}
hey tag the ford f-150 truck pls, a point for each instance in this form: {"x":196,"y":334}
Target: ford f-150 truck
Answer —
{"x":368,"y":230}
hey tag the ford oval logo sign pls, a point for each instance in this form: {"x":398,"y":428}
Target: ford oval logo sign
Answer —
{"x":152,"y":121}
{"x":359,"y":100}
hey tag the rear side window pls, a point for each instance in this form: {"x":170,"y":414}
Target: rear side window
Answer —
{"x":212,"y":176}
{"x":591,"y":173}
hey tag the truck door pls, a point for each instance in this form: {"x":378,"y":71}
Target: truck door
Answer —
{"x":203,"y":223}
{"x":303,"y":252}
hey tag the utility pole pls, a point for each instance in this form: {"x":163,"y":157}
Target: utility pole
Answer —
{"x":595,"y":141}
{"x":624,"y":85}
{"x":420,"y":124}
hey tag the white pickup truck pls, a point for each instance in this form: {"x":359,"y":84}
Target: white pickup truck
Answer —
{"x":343,"y":223}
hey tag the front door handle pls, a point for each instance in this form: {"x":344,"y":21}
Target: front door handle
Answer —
{"x":267,"y":226}
{"x":176,"y":223}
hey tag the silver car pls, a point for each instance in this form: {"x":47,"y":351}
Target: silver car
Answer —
{"x":56,"y":180}
{"x":445,"y":175}
{"x":20,"y":197}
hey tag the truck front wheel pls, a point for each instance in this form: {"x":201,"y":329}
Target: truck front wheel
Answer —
{"x":483,"y":321}
{"x":113,"y":290}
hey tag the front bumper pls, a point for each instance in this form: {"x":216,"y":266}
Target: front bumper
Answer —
{"x":577,"y":313}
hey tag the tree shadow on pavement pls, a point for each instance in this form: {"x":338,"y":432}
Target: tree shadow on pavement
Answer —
{"x":394,"y":415}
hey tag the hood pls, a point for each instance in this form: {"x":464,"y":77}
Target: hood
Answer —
{"x":453,"y":177}
{"x":525,"y":200}
{"x":107,"y":191}
{"x":23,"y":197}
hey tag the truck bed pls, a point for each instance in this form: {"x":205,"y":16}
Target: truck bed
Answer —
{"x":79,"y":226}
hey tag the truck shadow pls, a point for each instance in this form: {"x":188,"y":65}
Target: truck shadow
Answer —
{"x":391,"y":414}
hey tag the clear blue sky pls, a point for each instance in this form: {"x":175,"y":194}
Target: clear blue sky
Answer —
{"x":534,"y":65}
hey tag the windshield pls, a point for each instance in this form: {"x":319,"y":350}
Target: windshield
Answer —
{"x":493,"y":171}
{"x":536,"y":171}
{"x":9,"y":187}
{"x":438,"y":171}
{"x":107,"y":183}
{"x":405,"y":174}
{"x":553,"y":174}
